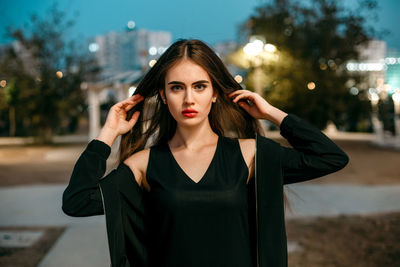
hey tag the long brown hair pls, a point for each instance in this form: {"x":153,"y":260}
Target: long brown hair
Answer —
{"x":156,"y":125}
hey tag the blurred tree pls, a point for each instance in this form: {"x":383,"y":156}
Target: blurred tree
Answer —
{"x":44,"y":72}
{"x":307,"y":74}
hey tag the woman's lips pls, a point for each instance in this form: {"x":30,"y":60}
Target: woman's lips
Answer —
{"x":189,"y":113}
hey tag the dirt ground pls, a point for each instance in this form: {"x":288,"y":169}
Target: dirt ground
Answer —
{"x":365,"y":241}
{"x":30,"y":256}
{"x":21,"y":165}
{"x":368,"y":165}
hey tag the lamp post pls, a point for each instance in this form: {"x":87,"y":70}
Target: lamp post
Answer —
{"x":377,"y":124}
{"x":94,"y":109}
{"x":396,"y":101}
{"x":257,"y":53}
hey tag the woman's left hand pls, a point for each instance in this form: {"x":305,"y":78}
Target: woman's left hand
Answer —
{"x":258,"y":107}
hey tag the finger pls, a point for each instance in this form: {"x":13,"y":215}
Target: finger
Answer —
{"x":125,"y":101}
{"x":122,"y":104}
{"x":132,"y":98}
{"x":135,"y":97}
{"x":132,"y":103}
{"x":128,"y":107}
{"x":244,"y":105}
{"x":134,"y":118}
{"x":242,"y":96}
{"x":236,"y":92}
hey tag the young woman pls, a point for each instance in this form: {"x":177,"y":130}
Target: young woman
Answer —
{"x":197,"y":184}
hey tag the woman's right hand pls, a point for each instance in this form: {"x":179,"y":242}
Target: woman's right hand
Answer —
{"x":116,"y":123}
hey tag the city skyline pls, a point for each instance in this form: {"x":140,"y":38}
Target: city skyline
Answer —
{"x":211,"y":21}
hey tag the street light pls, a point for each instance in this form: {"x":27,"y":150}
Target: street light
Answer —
{"x":257,"y":53}
{"x":270,"y":48}
{"x":253,"y":48}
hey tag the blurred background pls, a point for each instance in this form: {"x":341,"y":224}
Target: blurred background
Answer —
{"x":63,"y":64}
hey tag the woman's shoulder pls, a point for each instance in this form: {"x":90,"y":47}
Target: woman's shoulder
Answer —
{"x":137,"y":162}
{"x":139,"y":155}
{"x":247,"y":147}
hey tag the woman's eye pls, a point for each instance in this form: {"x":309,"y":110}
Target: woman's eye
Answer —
{"x":200,"y":86}
{"x":176,"y":87}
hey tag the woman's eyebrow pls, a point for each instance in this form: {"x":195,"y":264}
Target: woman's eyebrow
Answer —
{"x":201,"y":81}
{"x":177,"y":82}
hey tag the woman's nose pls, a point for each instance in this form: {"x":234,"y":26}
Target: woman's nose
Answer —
{"x":188,"y":96}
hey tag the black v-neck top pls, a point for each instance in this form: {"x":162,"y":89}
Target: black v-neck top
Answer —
{"x":202,"y":223}
{"x":121,"y":200}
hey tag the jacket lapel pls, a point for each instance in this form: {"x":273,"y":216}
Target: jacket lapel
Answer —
{"x":124,"y":212}
{"x":271,"y":232}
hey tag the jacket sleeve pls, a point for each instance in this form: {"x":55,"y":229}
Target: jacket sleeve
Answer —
{"x":313,"y":154}
{"x":82,"y":197}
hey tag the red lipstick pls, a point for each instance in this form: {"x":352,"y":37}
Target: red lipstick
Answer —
{"x":190,"y":113}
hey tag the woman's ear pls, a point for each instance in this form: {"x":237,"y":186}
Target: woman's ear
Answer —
{"x":162,"y":94}
{"x":215,"y":96}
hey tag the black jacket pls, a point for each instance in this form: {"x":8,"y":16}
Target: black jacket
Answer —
{"x":119,"y":197}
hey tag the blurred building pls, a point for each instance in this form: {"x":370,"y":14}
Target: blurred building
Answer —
{"x":130,"y":50}
{"x":381,"y":82}
{"x":392,"y":77}
{"x":123,"y":58}
{"x":381,"y":66}
{"x":25,"y":54}
{"x":371,"y":62}
{"x":223,"y":50}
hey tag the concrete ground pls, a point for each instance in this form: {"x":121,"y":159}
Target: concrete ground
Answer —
{"x":84,"y":243}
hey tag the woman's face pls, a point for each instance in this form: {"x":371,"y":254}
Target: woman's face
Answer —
{"x":188,"y":92}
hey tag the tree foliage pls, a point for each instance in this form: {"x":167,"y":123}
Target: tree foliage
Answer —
{"x":314,"y":42}
{"x":44,"y":72}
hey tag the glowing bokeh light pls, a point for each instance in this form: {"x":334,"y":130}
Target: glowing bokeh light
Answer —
{"x":59,"y":74}
{"x":270,"y":48}
{"x":354,"y":91}
{"x":374,"y":97}
{"x":131,"y":24}
{"x":152,"y":63}
{"x":311,"y":85}
{"x":153,"y":51}
{"x":93,"y":47}
{"x":253,"y":48}
{"x":161,"y":50}
{"x":239,"y":78}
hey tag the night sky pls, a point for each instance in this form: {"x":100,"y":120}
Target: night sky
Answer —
{"x":209,"y":20}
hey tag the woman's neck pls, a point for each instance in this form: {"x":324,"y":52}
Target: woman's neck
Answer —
{"x":193,"y":137}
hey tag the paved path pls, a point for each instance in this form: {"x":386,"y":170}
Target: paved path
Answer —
{"x":36,"y":206}
{"x":84,"y":243}
{"x":331,"y":200}
{"x":80,"y":245}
